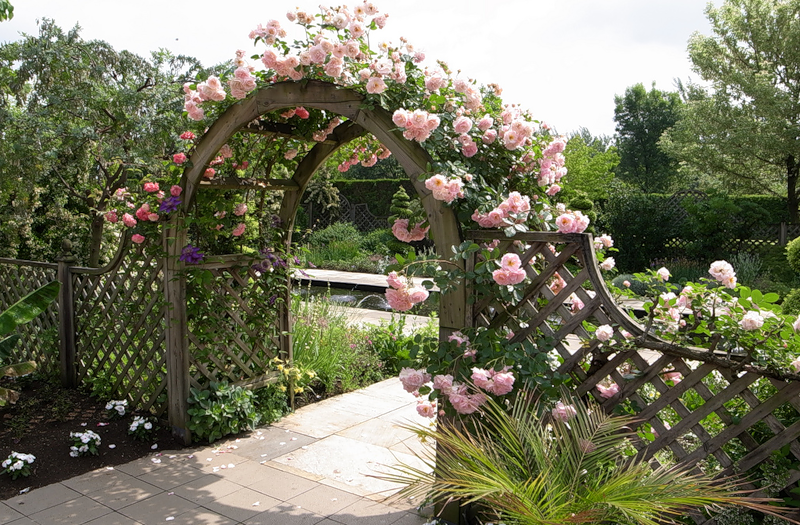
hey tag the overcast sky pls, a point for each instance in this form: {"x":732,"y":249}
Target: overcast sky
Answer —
{"x":564,"y":60}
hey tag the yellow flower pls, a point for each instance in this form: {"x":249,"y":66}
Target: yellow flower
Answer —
{"x":282,"y":388}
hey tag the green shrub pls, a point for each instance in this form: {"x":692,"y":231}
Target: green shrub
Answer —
{"x":637,"y":287}
{"x":791,"y":303}
{"x":793,"y":254}
{"x":338,"y":231}
{"x":221,"y":409}
{"x":376,"y":242}
{"x":271,"y":403}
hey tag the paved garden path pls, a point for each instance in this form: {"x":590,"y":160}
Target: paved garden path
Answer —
{"x":312,"y":467}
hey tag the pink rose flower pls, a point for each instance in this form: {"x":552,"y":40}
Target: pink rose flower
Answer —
{"x":111,"y":216}
{"x":466,"y":403}
{"x":505,"y":277}
{"x":143,"y":213}
{"x":608,"y":392}
{"x":752,"y":320}
{"x":187,"y":135}
{"x":510,"y":261}
{"x":375,"y":85}
{"x":209,"y":173}
{"x":239,"y":230}
{"x":462,"y":125}
{"x":604,"y":332}
{"x":398,"y":300}
{"x":426,"y":409}
{"x":417,"y":294}
{"x":443,"y":382}
{"x":179,"y":158}
{"x":151,"y":187}
{"x":289,"y":155}
{"x":503,"y":383}
{"x":563,"y":412}
{"x":485,"y":123}
{"x":413,"y":379}
{"x":395,"y":281}
{"x":128,"y":220}
{"x":175,"y":190}
{"x":608,"y":263}
{"x":301,"y":112}
{"x":662,"y":274}
{"x":240,"y":209}
{"x":138,"y":239}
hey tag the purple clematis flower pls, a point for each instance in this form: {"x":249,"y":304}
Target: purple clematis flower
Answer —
{"x":191,"y":255}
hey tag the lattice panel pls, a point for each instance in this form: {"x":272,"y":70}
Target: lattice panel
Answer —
{"x":119,"y":322}
{"x":38,"y":339}
{"x":234,"y":331}
{"x":692,"y":413}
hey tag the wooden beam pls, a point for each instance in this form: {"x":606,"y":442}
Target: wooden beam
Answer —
{"x":233,"y":183}
{"x":278,"y":129}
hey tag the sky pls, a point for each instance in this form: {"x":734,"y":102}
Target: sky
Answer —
{"x":564,"y":61}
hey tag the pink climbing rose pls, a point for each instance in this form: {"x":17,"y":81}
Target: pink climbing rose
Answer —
{"x":138,"y":239}
{"x":413,"y":379}
{"x":604,"y":332}
{"x":239,"y":230}
{"x":151,"y":187}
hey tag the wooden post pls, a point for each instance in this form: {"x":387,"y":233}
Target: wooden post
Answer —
{"x":177,"y":339}
{"x":783,"y":234}
{"x":66,"y":317}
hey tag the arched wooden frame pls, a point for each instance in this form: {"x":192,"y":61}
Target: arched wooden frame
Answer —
{"x":444,"y":229}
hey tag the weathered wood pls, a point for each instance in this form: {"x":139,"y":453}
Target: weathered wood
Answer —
{"x":66,"y":321}
{"x":177,"y":340}
{"x":232,"y":183}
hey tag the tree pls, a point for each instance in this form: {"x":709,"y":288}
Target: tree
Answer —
{"x":745,"y":129}
{"x":641,"y":118}
{"x":6,"y":10}
{"x":79,"y":120}
{"x":590,"y":163}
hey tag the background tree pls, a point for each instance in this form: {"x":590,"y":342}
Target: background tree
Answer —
{"x":79,"y":120}
{"x":590,"y":163}
{"x":6,"y":10}
{"x":745,"y":129}
{"x":642,"y":116}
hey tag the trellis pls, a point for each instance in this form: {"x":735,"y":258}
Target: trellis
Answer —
{"x":38,"y":339}
{"x":702,"y":435}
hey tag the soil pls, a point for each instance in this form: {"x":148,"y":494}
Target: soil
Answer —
{"x":40,"y":423}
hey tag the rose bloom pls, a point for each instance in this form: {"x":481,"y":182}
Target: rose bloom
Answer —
{"x":563,"y":412}
{"x":796,"y":365}
{"x":179,"y":158}
{"x":752,"y":320}
{"x":426,"y":409}
{"x":187,"y":135}
{"x":128,"y":220}
{"x":462,"y":125}
{"x":608,"y":392}
{"x":239,"y":230}
{"x":138,"y":239}
{"x":608,"y":264}
{"x":209,"y":173}
{"x":399,"y":300}
{"x":413,"y":379}
{"x":604,"y":332}
{"x":442,"y":382}
{"x":663,"y":274}
{"x":510,"y":261}
{"x":240,"y":209}
{"x":111,"y":216}
{"x":151,"y":187}
{"x":375,"y":85}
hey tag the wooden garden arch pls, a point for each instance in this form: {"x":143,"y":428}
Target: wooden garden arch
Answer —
{"x":360,"y":120}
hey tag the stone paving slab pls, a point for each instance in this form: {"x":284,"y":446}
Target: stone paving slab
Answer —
{"x":315,"y":467}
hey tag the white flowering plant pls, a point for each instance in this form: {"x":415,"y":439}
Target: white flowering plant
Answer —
{"x":142,"y":428}
{"x":84,"y":444}
{"x":117,"y":409}
{"x":18,"y":465}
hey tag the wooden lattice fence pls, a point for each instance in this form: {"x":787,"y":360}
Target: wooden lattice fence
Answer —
{"x":716,"y":418}
{"x":109,"y":328}
{"x":359,"y":215}
{"x":119,"y":327}
{"x":39,"y":339}
{"x":235,"y":330}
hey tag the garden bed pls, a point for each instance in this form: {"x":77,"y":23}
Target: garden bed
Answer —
{"x":40,"y":424}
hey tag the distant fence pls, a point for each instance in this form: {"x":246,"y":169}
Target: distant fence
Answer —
{"x":357,"y":214}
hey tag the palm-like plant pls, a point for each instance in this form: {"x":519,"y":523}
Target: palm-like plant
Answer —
{"x":530,"y":467}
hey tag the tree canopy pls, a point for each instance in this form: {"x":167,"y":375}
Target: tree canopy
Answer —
{"x":590,"y":162}
{"x":642,"y":117}
{"x":79,"y":120}
{"x":744,"y":127}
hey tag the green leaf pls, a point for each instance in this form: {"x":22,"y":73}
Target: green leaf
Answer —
{"x":29,"y":307}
